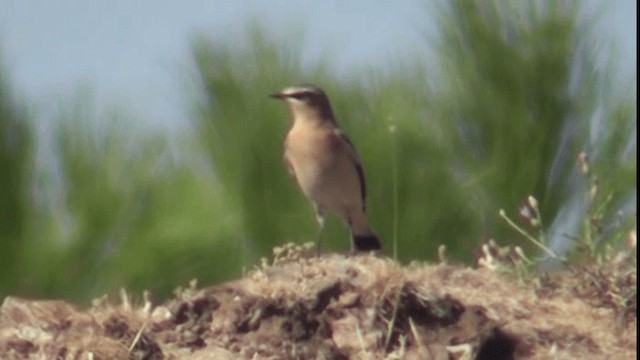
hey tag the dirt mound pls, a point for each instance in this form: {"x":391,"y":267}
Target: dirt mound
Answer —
{"x":332,"y":307}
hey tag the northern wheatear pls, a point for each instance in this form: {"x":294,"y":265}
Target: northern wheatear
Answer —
{"x":325,"y":164}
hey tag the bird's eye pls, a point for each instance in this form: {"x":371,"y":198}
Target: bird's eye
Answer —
{"x":299,"y":96}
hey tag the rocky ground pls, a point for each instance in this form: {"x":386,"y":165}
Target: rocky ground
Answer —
{"x":348,"y":307}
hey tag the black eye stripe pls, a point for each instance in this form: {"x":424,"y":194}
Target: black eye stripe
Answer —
{"x":302,"y":95}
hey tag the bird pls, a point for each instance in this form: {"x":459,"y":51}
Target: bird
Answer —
{"x":325,"y":165}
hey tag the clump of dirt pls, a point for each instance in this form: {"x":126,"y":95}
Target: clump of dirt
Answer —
{"x":334,"y":307}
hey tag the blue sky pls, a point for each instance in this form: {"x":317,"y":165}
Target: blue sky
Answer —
{"x":135,"y":53}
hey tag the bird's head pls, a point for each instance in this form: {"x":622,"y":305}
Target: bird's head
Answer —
{"x":305,"y":99}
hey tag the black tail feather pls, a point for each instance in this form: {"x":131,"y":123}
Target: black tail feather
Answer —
{"x":368,"y":242}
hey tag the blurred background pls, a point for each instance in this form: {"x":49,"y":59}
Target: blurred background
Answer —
{"x":139,"y":149}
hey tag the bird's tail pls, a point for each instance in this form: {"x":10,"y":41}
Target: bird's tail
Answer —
{"x":367,"y":242}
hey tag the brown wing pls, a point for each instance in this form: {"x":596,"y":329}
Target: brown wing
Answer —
{"x":356,"y":162}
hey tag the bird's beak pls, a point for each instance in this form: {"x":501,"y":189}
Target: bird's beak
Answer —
{"x":278,"y":96}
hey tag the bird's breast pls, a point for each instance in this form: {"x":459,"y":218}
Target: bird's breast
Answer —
{"x":308,"y":152}
{"x":322,"y":167}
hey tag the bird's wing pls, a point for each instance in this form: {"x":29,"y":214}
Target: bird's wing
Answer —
{"x":353,"y":155}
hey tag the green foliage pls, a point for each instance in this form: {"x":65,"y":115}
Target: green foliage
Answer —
{"x":16,"y":160}
{"x":131,"y":214}
{"x":407,"y":151}
{"x":522,"y":86}
{"x":508,"y":92}
{"x":241,"y":132}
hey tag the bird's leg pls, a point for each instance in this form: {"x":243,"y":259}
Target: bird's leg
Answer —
{"x":350,"y":225}
{"x":320,"y":218}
